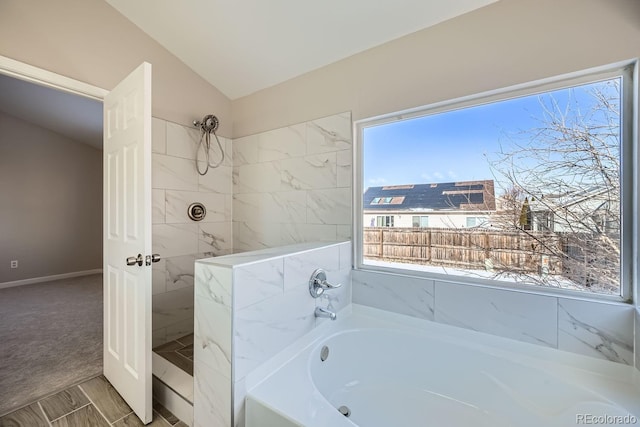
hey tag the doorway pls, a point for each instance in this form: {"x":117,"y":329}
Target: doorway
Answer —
{"x":127,"y":291}
{"x":51,"y":227}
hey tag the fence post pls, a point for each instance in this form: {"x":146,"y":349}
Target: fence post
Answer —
{"x":381,"y":247}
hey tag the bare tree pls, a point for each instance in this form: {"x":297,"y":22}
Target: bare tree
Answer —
{"x":566,"y":172}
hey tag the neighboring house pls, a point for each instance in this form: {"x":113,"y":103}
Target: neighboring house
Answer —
{"x":594,"y":209}
{"x":438,"y":205}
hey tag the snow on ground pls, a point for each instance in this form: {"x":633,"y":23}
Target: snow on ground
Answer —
{"x":551,"y":281}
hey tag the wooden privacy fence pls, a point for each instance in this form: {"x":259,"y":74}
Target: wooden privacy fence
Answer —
{"x":526,"y":252}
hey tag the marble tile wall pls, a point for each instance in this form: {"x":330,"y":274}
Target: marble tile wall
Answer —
{"x":598,"y":329}
{"x":293,"y":184}
{"x":179,"y":240}
{"x":250,"y":309}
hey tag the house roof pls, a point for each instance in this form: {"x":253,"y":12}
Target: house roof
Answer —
{"x":445,"y":196}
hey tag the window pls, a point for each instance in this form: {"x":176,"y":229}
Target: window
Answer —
{"x":474,"y":221}
{"x":420,"y":221}
{"x":523,"y":186}
{"x":384,"y":221}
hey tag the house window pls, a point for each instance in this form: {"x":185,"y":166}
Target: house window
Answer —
{"x":524,"y":186}
{"x":474,"y":221}
{"x":384,"y":221}
{"x":420,"y":221}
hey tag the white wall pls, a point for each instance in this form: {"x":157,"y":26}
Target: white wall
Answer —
{"x":505,"y":43}
{"x":90,"y":41}
{"x":178,"y":239}
{"x":50,"y":202}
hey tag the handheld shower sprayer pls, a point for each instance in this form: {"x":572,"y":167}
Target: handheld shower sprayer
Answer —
{"x":208,"y":125}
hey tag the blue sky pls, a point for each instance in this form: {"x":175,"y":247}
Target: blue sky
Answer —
{"x":454,"y":145}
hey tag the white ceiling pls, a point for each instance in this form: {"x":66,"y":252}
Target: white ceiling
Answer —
{"x":73,"y":116}
{"x":243,"y":46}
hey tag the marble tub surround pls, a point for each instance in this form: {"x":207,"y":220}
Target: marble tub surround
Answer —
{"x":179,"y":240}
{"x":603,"y":330}
{"x":293,"y":184}
{"x":251,"y":305}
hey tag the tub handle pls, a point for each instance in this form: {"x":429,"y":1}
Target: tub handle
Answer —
{"x":318,"y":283}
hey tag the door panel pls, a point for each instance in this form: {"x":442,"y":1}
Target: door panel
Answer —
{"x":127,"y":233}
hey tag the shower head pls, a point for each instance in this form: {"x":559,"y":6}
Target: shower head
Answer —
{"x":208,"y":124}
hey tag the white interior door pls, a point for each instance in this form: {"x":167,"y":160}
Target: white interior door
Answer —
{"x":127,"y":233}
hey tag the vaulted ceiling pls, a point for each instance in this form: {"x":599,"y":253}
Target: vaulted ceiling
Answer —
{"x":239,"y":46}
{"x":243,"y":46}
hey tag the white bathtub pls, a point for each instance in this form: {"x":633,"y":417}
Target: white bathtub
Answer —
{"x":392,"y":370}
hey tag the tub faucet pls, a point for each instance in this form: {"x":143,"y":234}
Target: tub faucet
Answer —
{"x":324,"y":312}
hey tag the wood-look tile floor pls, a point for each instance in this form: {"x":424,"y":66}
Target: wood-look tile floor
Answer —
{"x":93,"y":403}
{"x":179,"y":352}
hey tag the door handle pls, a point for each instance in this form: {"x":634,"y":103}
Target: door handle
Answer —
{"x":151,"y":258}
{"x":135,"y":260}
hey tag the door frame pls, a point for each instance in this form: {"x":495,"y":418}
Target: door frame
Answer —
{"x":41,"y":77}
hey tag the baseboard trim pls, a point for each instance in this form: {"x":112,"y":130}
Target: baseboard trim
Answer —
{"x":49,"y":278}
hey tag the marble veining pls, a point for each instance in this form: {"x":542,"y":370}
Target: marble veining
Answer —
{"x":182,"y":141}
{"x":525,"y":317}
{"x":412,"y":297}
{"x":313,"y":160}
{"x":214,"y":284}
{"x":344,"y":160}
{"x":245,"y":150}
{"x":262,"y":329}
{"x":179,"y":272}
{"x":173,"y":173}
{"x":310,"y":172}
{"x":256,"y":282}
{"x":171,"y":240}
{"x":299,"y":267}
{"x":331,"y":206}
{"x":244,"y":314}
{"x":217,"y":180}
{"x":282,"y":143}
{"x":215,"y":237}
{"x":330,"y":133}
{"x":293,"y":233}
{"x":596,"y":329}
{"x":252,"y":236}
{"x":211,"y":406}
{"x":278,"y":207}
{"x":157,"y":206}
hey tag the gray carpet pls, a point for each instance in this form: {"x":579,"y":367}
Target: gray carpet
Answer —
{"x":50,"y":338}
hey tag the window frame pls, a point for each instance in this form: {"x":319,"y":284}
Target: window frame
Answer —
{"x":629,"y":176}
